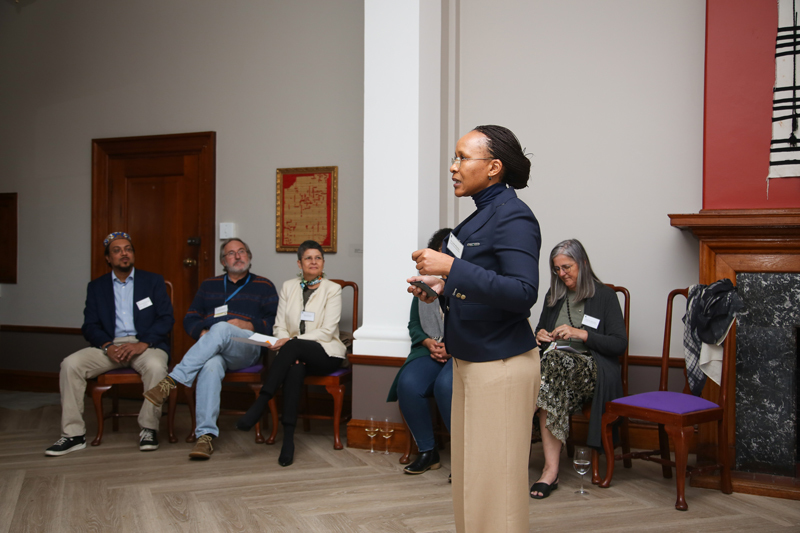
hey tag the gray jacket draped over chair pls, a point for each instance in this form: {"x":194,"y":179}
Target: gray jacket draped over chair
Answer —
{"x":607,"y":344}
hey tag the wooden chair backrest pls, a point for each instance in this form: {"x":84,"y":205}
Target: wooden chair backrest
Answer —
{"x":727,"y":347}
{"x":626,"y":315}
{"x":353,"y":285}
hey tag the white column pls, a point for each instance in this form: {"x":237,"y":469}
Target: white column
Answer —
{"x":402,"y":161}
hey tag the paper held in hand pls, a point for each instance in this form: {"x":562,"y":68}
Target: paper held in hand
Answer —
{"x":258,"y":339}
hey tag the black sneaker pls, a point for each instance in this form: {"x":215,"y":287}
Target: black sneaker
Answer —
{"x":148,"y":440}
{"x":65,"y":445}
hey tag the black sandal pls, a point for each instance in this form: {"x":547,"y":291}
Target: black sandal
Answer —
{"x":544,"y":488}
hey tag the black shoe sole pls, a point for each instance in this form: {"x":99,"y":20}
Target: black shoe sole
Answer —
{"x":434,"y":466}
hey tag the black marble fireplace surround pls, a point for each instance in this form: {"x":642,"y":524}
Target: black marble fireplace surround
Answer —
{"x":767,"y":374}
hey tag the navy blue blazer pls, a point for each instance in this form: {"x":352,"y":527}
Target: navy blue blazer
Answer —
{"x":490,"y":290}
{"x":152,"y":323}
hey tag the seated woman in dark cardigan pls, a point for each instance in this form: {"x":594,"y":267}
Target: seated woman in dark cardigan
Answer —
{"x":428,"y":371}
{"x":583,"y":313}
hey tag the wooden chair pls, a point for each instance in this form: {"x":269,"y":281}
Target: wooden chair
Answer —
{"x":335,"y":383}
{"x":676,"y":415}
{"x":251,"y":376}
{"x":587,"y":407}
{"x":122,"y":376}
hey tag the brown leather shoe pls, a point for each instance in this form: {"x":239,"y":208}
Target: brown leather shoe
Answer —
{"x":159,"y":394}
{"x":202,"y":448}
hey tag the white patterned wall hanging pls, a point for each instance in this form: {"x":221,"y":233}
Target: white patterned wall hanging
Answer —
{"x":784,"y":154}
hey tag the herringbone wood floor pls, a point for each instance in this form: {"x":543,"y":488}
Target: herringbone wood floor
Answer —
{"x":114,"y":487}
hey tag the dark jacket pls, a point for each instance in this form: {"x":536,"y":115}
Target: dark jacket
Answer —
{"x":491,"y":289}
{"x":607,"y":343}
{"x":152,"y":323}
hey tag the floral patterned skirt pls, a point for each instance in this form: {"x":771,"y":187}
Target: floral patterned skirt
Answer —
{"x":567,"y":383}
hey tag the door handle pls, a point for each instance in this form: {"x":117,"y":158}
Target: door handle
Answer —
{"x":190,"y":262}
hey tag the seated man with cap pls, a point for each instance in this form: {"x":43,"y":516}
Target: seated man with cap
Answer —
{"x":127,"y":320}
{"x":225,"y":307}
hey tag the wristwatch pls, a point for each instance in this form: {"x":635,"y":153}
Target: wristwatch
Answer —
{"x":105,"y":348}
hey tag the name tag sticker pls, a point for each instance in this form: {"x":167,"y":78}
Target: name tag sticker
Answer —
{"x":590,"y":321}
{"x":307,"y":316}
{"x":455,"y":246}
{"x":222,"y":310}
{"x":144,"y":304}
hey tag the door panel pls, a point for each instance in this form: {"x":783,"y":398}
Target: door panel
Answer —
{"x":158,"y":189}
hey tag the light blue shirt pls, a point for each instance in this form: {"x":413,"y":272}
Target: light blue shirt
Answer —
{"x":123,"y":304}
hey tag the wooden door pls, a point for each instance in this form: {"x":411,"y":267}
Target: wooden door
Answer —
{"x":161,"y":190}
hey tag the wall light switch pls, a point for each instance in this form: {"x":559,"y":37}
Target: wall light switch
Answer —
{"x":227,"y":230}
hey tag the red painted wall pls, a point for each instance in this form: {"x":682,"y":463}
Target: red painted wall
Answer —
{"x":740,"y":73}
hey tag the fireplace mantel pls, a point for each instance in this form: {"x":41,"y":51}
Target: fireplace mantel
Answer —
{"x":732,"y":242}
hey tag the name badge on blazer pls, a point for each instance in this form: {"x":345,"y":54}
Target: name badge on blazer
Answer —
{"x":307,"y":316}
{"x":144,"y":304}
{"x":455,"y":246}
{"x":469,"y":244}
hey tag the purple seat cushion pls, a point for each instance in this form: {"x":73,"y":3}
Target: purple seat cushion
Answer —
{"x":671,"y":402}
{"x":122,"y":371}
{"x":341,"y":372}
{"x":255,"y":369}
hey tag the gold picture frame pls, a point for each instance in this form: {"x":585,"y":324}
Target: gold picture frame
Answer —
{"x":306,"y":207}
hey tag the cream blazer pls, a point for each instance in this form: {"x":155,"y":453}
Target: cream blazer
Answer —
{"x":326,"y":304}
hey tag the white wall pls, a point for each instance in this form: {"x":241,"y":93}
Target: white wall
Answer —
{"x":280,"y":82}
{"x":608,"y":96}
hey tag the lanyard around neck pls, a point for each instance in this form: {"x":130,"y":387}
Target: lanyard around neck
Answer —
{"x":225,"y":283}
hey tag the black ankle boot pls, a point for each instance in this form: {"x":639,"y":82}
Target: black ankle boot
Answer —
{"x":254,"y":414}
{"x":287,"y":450}
{"x":425,"y":461}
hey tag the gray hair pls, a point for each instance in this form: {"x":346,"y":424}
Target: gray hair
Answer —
{"x":225,"y":243}
{"x":584,"y":287}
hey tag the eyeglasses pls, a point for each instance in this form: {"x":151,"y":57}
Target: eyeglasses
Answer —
{"x":565,"y":269}
{"x":457,"y":160}
{"x":236,"y":252}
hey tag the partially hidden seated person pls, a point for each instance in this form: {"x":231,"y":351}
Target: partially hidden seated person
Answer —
{"x":225,"y":307}
{"x":307,"y":327}
{"x":428,"y":371}
{"x":583,"y":314}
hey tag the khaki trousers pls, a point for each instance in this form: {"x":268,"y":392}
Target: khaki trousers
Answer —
{"x":493,"y":405}
{"x":91,"y":362}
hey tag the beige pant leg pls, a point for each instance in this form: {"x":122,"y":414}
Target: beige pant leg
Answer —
{"x":493,"y":405}
{"x":152,"y":366}
{"x":75,"y":370}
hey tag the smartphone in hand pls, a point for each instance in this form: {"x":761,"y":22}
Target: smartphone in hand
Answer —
{"x":422,"y":285}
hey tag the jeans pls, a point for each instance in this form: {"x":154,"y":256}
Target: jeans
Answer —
{"x":422,"y":378}
{"x":208,"y":360}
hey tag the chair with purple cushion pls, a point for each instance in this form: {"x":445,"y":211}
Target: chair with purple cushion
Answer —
{"x":676,"y":415}
{"x":335,"y":383}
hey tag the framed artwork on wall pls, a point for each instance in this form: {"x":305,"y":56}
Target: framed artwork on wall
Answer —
{"x":306,"y":201}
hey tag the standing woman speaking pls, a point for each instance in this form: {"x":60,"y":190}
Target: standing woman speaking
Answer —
{"x":491,"y":267}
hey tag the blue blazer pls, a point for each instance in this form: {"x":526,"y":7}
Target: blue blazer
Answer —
{"x":152,"y":323}
{"x":490,"y":290}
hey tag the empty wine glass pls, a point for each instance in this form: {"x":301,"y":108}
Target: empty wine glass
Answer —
{"x":372,"y":430}
{"x":582,"y":460}
{"x":387,"y":429}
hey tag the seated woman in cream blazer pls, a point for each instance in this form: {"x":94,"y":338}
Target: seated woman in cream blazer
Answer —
{"x":307,"y":327}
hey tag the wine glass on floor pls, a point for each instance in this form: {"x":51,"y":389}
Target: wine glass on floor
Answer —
{"x":582,"y":460}
{"x":372,"y":430}
{"x":387,"y":429}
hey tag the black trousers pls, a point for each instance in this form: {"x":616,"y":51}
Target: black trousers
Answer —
{"x":285,"y":370}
